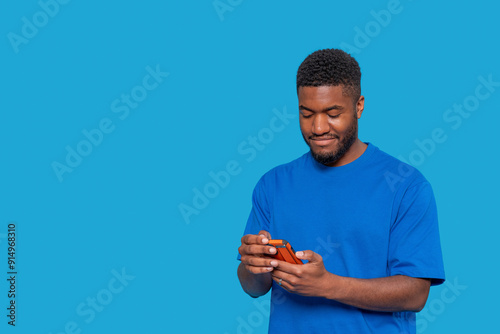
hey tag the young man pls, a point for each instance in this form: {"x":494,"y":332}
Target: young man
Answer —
{"x":366,"y":223}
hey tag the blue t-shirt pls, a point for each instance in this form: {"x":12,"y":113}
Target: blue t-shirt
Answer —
{"x":374,"y":217}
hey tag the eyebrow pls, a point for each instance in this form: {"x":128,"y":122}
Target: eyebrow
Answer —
{"x":334,"y":107}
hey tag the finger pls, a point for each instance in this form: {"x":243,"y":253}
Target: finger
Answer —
{"x":255,"y":239}
{"x":258,"y":270}
{"x":251,"y":239}
{"x":289,"y":268}
{"x":309,"y":255}
{"x":277,"y":278}
{"x":282,"y":279}
{"x":257,"y":250}
{"x":265,"y":234}
{"x":258,"y":261}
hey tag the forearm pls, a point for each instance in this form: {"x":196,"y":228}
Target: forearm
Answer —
{"x":255,"y":285}
{"x":386,"y":294}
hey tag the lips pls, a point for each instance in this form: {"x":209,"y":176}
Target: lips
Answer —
{"x":322,"y":141}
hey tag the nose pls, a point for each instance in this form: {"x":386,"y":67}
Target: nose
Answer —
{"x":320,"y":124}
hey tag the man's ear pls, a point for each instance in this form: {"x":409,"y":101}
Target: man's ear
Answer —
{"x":360,"y":106}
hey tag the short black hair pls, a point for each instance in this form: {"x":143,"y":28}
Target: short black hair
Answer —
{"x":331,"y":67}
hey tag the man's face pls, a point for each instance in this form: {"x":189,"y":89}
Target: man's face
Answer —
{"x":329,"y":122}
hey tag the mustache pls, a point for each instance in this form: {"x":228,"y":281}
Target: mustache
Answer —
{"x":323,"y":137}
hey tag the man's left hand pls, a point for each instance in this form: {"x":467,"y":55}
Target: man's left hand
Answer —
{"x":309,"y":279}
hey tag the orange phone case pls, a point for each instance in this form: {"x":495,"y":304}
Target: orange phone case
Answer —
{"x":285,"y":251}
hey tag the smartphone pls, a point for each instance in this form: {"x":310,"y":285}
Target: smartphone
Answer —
{"x":284,"y":252}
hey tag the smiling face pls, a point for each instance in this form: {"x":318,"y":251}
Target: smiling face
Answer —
{"x":329,"y":124}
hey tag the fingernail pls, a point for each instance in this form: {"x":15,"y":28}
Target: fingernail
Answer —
{"x":272,"y":250}
{"x":269,"y":269}
{"x":274,"y":263}
{"x":299,"y":253}
{"x":265,"y":241}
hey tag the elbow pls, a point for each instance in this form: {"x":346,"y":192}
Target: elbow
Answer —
{"x":253,"y":295}
{"x":413,"y":306}
{"x":254,"y":285}
{"x":418,"y":307}
{"x":419,"y":301}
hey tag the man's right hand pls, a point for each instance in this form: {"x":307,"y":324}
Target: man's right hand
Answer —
{"x":253,"y":251}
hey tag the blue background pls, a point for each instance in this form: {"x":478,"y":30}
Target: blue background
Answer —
{"x":119,"y":208}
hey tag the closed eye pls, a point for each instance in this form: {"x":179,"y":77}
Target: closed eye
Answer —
{"x":333,"y":116}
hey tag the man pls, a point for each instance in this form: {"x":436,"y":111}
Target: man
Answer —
{"x":366,"y":223}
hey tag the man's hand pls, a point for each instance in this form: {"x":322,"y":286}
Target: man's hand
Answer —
{"x":387,"y":294}
{"x":254,"y":271}
{"x":253,"y":251}
{"x":310,"y":279}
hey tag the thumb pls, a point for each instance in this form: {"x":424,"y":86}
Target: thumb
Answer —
{"x":309,"y":255}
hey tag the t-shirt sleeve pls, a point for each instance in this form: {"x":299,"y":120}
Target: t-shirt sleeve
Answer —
{"x":414,"y":246}
{"x":259,"y":217}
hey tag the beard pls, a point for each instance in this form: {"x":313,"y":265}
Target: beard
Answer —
{"x":328,"y":158}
